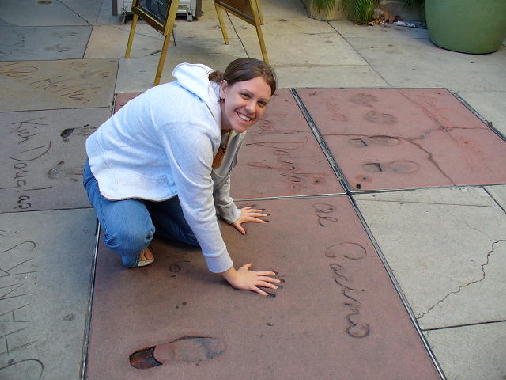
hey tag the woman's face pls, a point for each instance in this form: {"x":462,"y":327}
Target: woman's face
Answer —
{"x":244,"y":103}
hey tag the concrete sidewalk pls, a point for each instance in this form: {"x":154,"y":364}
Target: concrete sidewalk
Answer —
{"x":60,"y":66}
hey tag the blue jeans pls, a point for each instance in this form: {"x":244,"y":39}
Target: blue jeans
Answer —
{"x":130,"y":224}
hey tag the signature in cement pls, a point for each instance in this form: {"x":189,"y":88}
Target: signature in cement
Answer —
{"x":16,"y":331}
{"x":341,"y":256}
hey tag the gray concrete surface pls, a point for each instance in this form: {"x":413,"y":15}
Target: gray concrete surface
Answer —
{"x":45,"y":264}
{"x":449,"y":265}
{"x":446,"y":246}
{"x":471,"y":352}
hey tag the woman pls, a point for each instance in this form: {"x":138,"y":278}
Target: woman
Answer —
{"x":162,"y":163}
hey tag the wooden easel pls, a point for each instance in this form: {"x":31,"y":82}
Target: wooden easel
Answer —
{"x":161,"y":15}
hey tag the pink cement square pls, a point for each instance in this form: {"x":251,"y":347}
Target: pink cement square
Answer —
{"x":406,"y":138}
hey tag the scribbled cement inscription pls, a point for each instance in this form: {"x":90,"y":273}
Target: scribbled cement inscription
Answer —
{"x":38,"y":85}
{"x":335,"y":316}
{"x":45,"y":263}
{"x":280,"y":156}
{"x":18,"y":275}
{"x":341,"y":256}
{"x":43,"y":153}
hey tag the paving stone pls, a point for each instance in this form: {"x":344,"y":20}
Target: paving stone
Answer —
{"x":335,"y":294}
{"x":387,"y":32}
{"x":90,"y":10}
{"x":45,"y":289}
{"x":498,"y":192}
{"x":138,"y":74}
{"x":39,"y":13}
{"x":44,"y":154}
{"x":290,"y":76}
{"x":42,"y":43}
{"x":471,"y":352}
{"x":392,"y":138}
{"x":326,"y":48}
{"x":38,"y":85}
{"x":490,"y":105}
{"x":279,"y":156}
{"x":399,"y":63}
{"x":447,"y":248}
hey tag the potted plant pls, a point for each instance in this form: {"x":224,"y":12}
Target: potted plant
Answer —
{"x":467,"y":26}
{"x":360,"y":11}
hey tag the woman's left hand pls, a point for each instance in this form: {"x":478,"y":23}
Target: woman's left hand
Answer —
{"x":249,"y":215}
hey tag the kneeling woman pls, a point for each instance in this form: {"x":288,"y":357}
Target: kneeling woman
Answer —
{"x":163,"y":163}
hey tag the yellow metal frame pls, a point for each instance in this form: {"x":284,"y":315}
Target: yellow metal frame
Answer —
{"x":256,"y":21}
{"x":167,"y":28}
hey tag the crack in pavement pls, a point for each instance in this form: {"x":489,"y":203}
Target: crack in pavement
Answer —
{"x":489,"y":253}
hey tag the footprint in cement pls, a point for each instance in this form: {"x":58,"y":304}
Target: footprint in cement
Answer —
{"x":189,"y":349}
{"x":60,"y":172}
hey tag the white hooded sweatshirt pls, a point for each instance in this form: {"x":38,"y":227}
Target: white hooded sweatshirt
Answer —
{"x":162,"y":144}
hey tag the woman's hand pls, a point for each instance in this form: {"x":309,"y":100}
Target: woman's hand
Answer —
{"x":248,"y":214}
{"x":245,"y":279}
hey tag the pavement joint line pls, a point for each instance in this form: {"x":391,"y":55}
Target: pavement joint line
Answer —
{"x":53,"y":109}
{"x":380,"y":191}
{"x":495,"y":200}
{"x":423,"y":203}
{"x":463,"y":325}
{"x":478,"y":115}
{"x":297,"y":196}
{"x":73,"y":11}
{"x":51,"y":209}
{"x":237,"y":34}
{"x":397,"y":288}
{"x":87,"y":327}
{"x":360,"y":55}
{"x":330,"y":157}
{"x":321,"y":141}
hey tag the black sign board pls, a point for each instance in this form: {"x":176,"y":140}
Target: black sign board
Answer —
{"x":155,"y":12}
{"x":241,"y":8}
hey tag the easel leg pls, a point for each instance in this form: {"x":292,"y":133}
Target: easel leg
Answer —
{"x":131,"y":36}
{"x":222,"y":24}
{"x":161,"y":62}
{"x":256,"y":14}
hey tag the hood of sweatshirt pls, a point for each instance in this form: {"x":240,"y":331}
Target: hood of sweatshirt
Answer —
{"x":195,"y":79}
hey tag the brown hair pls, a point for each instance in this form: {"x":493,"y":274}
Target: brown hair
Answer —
{"x":243,"y":69}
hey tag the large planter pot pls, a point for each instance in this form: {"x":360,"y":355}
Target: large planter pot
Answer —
{"x":467,"y":26}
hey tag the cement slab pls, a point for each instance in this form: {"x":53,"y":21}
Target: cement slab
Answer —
{"x":392,"y":139}
{"x":399,"y":63}
{"x":323,"y":76}
{"x":498,"y":193}
{"x":38,"y":85}
{"x":138,"y":74}
{"x":45,"y":290}
{"x":447,"y":248}
{"x":286,"y":48}
{"x":280,"y":156}
{"x":39,"y":13}
{"x":491,"y":105}
{"x":110,"y":41}
{"x":90,"y":10}
{"x":387,"y":32}
{"x":471,"y":352}
{"x":335,"y":294}
{"x":43,"y":43}
{"x":44,"y":154}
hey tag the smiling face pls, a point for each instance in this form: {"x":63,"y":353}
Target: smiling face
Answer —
{"x":243,"y":103}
